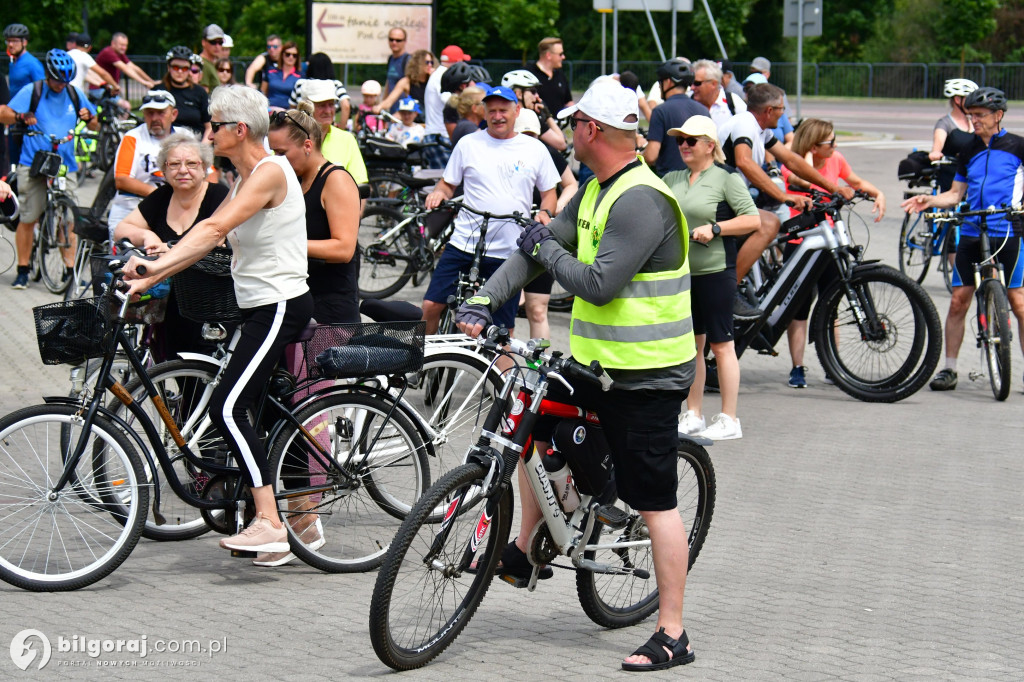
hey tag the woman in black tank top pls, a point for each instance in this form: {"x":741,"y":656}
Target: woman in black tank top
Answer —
{"x":332,"y":216}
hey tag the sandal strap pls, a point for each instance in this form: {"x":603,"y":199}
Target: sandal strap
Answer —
{"x":654,"y":648}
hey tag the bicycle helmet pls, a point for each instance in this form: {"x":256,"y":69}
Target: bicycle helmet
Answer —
{"x":520,"y":78}
{"x":959,"y":87}
{"x":987,"y":98}
{"x":677,"y":71}
{"x":459,"y":73}
{"x":16,"y":31}
{"x":481,"y":75}
{"x":179,"y":52}
{"x":60,"y":66}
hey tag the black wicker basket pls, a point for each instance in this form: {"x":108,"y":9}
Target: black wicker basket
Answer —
{"x":71,"y":332}
{"x":205,"y":290}
{"x":351,"y":351}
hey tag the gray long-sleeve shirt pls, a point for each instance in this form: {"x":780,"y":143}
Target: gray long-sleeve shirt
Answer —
{"x":640,"y":235}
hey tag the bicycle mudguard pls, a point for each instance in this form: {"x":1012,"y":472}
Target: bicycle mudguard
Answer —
{"x":201,"y":357}
{"x":127,"y":430}
{"x":698,"y":440}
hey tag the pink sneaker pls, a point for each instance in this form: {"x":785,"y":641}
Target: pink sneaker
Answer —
{"x":312,"y":537}
{"x":260,"y":536}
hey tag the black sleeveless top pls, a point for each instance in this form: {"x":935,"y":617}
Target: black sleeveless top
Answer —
{"x":334,"y":286}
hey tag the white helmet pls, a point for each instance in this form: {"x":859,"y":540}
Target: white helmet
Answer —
{"x":520,"y":78}
{"x":959,"y":87}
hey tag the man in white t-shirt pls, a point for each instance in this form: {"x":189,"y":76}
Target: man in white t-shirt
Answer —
{"x":436,"y":155}
{"x":745,"y":137}
{"x":89,"y":76}
{"x":498,"y":170}
{"x":136,"y":172}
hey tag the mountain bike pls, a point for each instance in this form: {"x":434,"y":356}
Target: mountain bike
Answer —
{"x":98,"y":149}
{"x":54,"y":236}
{"x":994,"y":317}
{"x":876,"y":331}
{"x":921,"y":239}
{"x":76,"y":491}
{"x":440,"y":565}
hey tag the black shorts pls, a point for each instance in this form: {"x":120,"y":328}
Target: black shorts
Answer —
{"x":711,"y":298}
{"x":968,"y":252}
{"x":541,"y":284}
{"x":642,"y":429}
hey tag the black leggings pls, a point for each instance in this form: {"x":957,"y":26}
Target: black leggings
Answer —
{"x":265,"y":332}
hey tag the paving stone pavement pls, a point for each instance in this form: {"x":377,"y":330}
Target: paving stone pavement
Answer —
{"x":850,"y":541}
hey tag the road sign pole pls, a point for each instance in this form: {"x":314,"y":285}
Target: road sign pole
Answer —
{"x":714,"y":29}
{"x":674,"y":21}
{"x":604,"y":42}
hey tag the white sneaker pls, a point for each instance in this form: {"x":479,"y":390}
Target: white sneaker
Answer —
{"x":312,"y":537}
{"x":691,"y":423}
{"x":723,"y":427}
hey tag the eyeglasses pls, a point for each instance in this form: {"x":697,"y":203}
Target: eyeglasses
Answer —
{"x":217,"y":125}
{"x":396,"y":40}
{"x":195,"y":69}
{"x":190,"y":166}
{"x":688,"y":141}
{"x":828,"y":143}
{"x":573,"y":122}
{"x":280,"y":118}
{"x":179,"y":67}
{"x":291,"y":54}
{"x":975,"y":117}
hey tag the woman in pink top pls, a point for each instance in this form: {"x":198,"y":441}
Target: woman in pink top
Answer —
{"x":815,"y":140}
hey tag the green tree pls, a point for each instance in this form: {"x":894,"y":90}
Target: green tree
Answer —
{"x":465,"y":23}
{"x":962,"y":23}
{"x":521,"y":23}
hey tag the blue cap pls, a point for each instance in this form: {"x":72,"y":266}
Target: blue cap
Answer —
{"x":503,"y":92}
{"x":409,"y":104}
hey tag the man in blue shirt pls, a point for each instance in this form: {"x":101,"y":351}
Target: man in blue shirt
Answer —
{"x":55,"y":114}
{"x":990,"y":172}
{"x":24,"y":69}
{"x":675,"y":77}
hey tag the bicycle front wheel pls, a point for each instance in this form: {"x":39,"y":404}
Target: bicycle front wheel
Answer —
{"x":947,"y":257}
{"x":615,"y":600}
{"x":379,"y":471}
{"x":437,"y":570}
{"x":996,"y":336}
{"x":56,"y":540}
{"x":892,"y":350}
{"x":916,"y":240}
{"x":561,"y":300}
{"x":57,"y":230}
{"x":387,"y":260}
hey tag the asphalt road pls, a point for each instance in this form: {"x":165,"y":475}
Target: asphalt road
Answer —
{"x":849,"y":541}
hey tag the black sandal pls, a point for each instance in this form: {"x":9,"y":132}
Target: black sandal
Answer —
{"x":654,"y":649}
{"x":514,"y":563}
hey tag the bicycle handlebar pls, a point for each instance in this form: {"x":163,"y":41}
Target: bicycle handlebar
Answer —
{"x":960,"y":215}
{"x":516,"y":216}
{"x":497,"y":337}
{"x":12,"y":201}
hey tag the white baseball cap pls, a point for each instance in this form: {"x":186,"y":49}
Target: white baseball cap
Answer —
{"x":318,"y":90}
{"x":527,"y":122}
{"x":608,"y":102}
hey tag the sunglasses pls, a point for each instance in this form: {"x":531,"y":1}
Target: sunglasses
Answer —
{"x":291,"y":54}
{"x":179,"y":68}
{"x":697,"y":84}
{"x":280,"y":118}
{"x":216,"y":41}
{"x":271,"y":46}
{"x":217,"y":125}
{"x":396,"y":40}
{"x":828,"y":143}
{"x":573,"y":122}
{"x":688,"y":141}
{"x":196,"y":69}
{"x":225,"y":70}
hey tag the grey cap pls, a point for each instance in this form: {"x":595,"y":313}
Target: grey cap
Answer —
{"x":212,"y":32}
{"x":760,"y":64}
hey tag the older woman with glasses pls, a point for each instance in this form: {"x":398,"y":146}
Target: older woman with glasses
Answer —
{"x":167,"y":214}
{"x":265,"y":223}
{"x":282,"y":77}
{"x":414,"y":84}
{"x":815,"y":141}
{"x":192,"y":101}
{"x":718,"y":208}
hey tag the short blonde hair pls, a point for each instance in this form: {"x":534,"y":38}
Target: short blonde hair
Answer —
{"x":810,"y":133}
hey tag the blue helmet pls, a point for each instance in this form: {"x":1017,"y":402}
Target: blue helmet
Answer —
{"x":60,"y":66}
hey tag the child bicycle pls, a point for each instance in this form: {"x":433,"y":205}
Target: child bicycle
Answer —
{"x":443,"y":559}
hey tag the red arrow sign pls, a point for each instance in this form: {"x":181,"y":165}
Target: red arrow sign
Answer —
{"x":321,"y":25}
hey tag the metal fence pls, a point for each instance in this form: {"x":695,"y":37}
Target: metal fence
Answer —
{"x":825,"y":79}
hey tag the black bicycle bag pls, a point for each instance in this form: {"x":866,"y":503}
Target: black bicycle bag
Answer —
{"x":586,"y":450}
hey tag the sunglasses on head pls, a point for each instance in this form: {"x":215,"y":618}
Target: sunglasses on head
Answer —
{"x":159,"y":99}
{"x":688,"y":141}
{"x":280,"y":118}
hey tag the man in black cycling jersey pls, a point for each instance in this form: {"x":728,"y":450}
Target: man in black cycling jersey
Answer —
{"x":989,"y":172}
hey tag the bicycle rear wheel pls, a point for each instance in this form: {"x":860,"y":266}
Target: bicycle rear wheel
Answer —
{"x":618,"y":600}
{"x":437,"y":571}
{"x":916,"y":239}
{"x":387,"y":263}
{"x":65,"y":540}
{"x":946,"y":266}
{"x":898,"y":348}
{"x":561,"y":300}
{"x":996,"y":336}
{"x":383,"y":472}
{"x":58,"y":224}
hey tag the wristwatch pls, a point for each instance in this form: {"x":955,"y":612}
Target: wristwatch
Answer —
{"x":716,"y":229}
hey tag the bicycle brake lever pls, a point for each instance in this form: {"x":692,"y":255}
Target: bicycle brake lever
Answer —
{"x":561,"y":380}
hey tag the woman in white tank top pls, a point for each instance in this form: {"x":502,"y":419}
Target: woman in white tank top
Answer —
{"x":264,"y":221}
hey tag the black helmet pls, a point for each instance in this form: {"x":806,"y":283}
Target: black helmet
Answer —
{"x":16,"y":31}
{"x":60,"y":66}
{"x":179,"y":52}
{"x":677,"y":71}
{"x":455,"y":75}
{"x":988,"y":98}
{"x":480,"y":75}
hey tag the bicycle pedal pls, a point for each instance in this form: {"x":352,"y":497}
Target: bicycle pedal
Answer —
{"x":612,"y":516}
{"x":519,"y":583}
{"x":243,"y":554}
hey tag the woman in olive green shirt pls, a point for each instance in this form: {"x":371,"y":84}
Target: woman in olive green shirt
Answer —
{"x":718,"y":208}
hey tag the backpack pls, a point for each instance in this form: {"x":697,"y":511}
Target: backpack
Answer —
{"x":730,"y":103}
{"x":17,"y":131}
